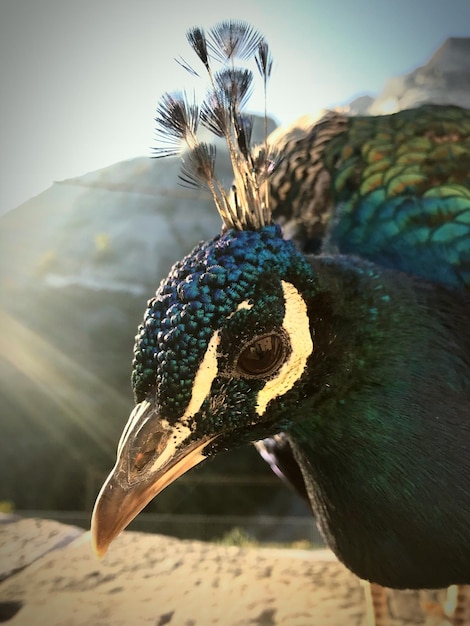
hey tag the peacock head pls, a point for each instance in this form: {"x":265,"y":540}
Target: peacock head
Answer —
{"x":226,"y":333}
{"x":224,"y":344}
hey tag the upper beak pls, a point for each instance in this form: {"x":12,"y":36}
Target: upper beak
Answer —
{"x":151,"y":455}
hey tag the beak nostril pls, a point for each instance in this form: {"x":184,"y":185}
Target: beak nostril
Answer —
{"x":142,"y":459}
{"x":146,"y":447}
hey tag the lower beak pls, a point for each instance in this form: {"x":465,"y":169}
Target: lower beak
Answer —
{"x":151,"y":455}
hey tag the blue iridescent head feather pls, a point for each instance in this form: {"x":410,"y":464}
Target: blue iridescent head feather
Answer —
{"x":200,"y":291}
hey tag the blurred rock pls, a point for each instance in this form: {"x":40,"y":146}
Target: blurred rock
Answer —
{"x":444,"y":79}
{"x":360,"y":105}
{"x":77,"y":265}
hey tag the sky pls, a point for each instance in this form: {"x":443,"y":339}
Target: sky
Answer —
{"x":80,"y":80}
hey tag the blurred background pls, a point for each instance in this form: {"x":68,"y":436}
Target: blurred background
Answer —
{"x":89,"y":224}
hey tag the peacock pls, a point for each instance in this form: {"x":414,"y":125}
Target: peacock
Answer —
{"x":329,"y":321}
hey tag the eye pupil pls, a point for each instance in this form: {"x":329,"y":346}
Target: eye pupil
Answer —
{"x":262,"y":357}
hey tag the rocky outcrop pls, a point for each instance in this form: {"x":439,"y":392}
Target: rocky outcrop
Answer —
{"x":444,"y":79}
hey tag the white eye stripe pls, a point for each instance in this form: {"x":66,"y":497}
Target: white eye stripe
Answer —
{"x":207,"y":370}
{"x":246,"y":304}
{"x":297,"y":327}
{"x":204,"y":378}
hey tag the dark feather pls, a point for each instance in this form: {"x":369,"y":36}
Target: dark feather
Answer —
{"x":234,"y":87}
{"x":264,"y":60}
{"x":197,"y":40}
{"x":198,"y":166}
{"x":177,"y":121}
{"x":233,"y":38}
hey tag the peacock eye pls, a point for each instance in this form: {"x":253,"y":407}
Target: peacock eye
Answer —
{"x":262,"y":357}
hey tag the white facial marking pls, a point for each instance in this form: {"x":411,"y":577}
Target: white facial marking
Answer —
{"x":208,"y":370}
{"x":246,"y":304}
{"x":203,"y":380}
{"x":201,"y":387}
{"x":296,"y":325}
{"x":177,"y":434}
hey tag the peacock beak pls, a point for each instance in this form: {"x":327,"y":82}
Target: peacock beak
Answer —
{"x":151,"y":455}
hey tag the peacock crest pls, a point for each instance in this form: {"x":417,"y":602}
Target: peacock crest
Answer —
{"x":245,"y":205}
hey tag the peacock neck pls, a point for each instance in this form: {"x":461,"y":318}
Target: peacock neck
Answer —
{"x":388,"y":370}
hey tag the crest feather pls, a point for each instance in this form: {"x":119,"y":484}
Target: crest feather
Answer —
{"x":246,"y":205}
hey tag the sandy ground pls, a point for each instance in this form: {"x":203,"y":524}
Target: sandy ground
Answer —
{"x":51,"y":577}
